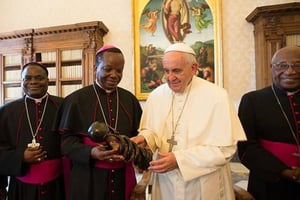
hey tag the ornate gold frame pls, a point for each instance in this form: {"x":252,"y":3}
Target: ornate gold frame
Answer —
{"x":215,"y":7}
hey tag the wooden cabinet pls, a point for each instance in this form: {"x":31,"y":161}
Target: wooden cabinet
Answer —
{"x":11,"y":75}
{"x":273,"y":27}
{"x":69,"y":75}
{"x":68,"y":52}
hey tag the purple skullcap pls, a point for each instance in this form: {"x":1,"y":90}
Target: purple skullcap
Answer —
{"x":105,"y":48}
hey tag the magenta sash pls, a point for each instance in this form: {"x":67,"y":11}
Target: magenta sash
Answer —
{"x":42,"y":172}
{"x":282,"y":151}
{"x":130,"y":180}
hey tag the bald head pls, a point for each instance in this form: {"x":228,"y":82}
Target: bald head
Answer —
{"x":286,"y":69}
{"x":290,"y":53}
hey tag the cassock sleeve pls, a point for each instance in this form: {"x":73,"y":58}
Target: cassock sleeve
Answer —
{"x":3,"y":185}
{"x":70,"y":126}
{"x":11,"y":158}
{"x":251,"y":153}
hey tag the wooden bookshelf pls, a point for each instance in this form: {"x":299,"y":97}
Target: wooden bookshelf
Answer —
{"x":11,"y":76}
{"x":68,"y":51}
{"x":273,"y":26}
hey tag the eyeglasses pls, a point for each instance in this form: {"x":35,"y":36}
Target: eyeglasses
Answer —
{"x":285,"y":66}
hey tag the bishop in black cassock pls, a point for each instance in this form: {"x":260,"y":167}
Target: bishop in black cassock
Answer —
{"x":89,"y":178}
{"x":3,"y":185}
{"x":29,"y":146}
{"x":271,"y":120}
{"x":14,"y":138}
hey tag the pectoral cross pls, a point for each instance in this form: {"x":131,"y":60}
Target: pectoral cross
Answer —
{"x":33,"y":143}
{"x":172,"y":142}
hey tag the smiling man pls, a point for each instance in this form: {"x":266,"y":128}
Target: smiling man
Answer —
{"x":30,"y":148}
{"x":98,"y":172}
{"x":192,"y":124}
{"x":271,"y":120}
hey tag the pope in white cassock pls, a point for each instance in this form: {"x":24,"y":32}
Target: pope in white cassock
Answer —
{"x":194,"y":128}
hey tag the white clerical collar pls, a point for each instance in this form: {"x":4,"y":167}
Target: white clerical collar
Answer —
{"x":39,"y":100}
{"x":292,"y":93}
{"x":107,"y":91}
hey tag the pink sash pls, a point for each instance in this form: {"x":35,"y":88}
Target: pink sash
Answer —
{"x":42,"y":172}
{"x":130,"y":180}
{"x":282,"y":151}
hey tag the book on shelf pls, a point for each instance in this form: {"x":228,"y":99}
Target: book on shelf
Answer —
{"x":13,"y":59}
{"x":52,"y":72}
{"x":52,"y":90}
{"x":68,"y":89}
{"x":72,"y":71}
{"x":12,"y":75}
{"x":48,"y":56}
{"x":12,"y":92}
{"x":74,"y":54}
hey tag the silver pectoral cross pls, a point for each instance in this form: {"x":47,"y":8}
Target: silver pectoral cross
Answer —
{"x":33,"y":143}
{"x":172,"y":142}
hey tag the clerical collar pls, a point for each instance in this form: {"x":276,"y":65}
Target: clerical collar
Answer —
{"x":292,"y":93}
{"x":280,"y":90}
{"x":107,"y":91}
{"x":37,"y":100}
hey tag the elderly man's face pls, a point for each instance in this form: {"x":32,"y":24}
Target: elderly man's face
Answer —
{"x":179,"y":70}
{"x":287,"y":78}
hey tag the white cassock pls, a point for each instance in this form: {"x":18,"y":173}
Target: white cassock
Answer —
{"x":206,"y":135}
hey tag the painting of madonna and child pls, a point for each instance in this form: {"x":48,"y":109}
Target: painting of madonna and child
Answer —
{"x":163,"y":22}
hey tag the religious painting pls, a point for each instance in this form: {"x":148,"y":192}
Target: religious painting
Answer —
{"x":160,"y":23}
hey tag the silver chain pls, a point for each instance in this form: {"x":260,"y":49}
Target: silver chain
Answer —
{"x":28,"y":117}
{"x":174,"y":127}
{"x":104,"y":117}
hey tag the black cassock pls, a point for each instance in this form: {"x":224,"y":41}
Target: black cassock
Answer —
{"x":264,"y":123}
{"x":78,"y":112}
{"x":3,"y":185}
{"x":14,"y":138}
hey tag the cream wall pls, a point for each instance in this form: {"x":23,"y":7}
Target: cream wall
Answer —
{"x":238,"y":45}
{"x":238,"y":42}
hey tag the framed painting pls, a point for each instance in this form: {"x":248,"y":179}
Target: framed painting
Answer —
{"x":159,"y":23}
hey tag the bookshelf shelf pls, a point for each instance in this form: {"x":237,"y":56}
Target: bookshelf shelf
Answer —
{"x":12,"y":83}
{"x":68,"y":52}
{"x":12,"y":66}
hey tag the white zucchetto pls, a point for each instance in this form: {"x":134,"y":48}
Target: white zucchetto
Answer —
{"x":182,"y":47}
